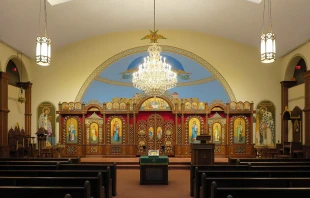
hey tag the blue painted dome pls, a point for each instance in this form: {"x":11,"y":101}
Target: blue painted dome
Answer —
{"x":175,"y":64}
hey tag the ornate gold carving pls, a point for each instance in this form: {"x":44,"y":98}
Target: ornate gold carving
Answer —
{"x":239,"y":150}
{"x":116,"y":150}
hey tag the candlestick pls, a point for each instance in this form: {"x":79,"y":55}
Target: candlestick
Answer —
{"x":17,"y":145}
{"x":23,"y":143}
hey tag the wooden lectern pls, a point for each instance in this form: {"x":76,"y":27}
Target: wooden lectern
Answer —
{"x":41,"y":138}
{"x":203,"y":153}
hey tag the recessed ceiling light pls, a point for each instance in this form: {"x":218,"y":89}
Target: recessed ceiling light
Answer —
{"x":55,"y":2}
{"x":255,"y":1}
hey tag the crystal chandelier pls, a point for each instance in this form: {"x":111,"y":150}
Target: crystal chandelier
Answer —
{"x":43,"y":48}
{"x":154,"y":76}
{"x":268,"y":40}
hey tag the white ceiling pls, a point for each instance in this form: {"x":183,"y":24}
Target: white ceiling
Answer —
{"x":239,"y":20}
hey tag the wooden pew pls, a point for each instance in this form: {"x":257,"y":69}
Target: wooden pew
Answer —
{"x":276,"y":163}
{"x":99,"y":167}
{"x":202,"y":168}
{"x":254,"y":192}
{"x":72,"y":160}
{"x":29,"y":167}
{"x":46,"y":192}
{"x":106,"y":175}
{"x":266,"y":172}
{"x":60,"y":166}
{"x":33,"y":162}
{"x":234,"y":161}
{"x":213,"y":167}
{"x":250,"y":182}
{"x":96,"y":184}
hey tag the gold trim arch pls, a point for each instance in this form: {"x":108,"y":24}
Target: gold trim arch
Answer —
{"x":166,"y":48}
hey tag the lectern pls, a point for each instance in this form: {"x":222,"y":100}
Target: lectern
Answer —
{"x":41,"y":138}
{"x":203,"y":152}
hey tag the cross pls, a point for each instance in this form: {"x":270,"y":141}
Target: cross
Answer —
{"x":204,"y":158}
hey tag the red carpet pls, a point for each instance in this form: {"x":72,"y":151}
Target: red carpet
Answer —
{"x":128,"y":185}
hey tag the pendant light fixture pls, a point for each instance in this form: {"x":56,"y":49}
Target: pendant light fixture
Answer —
{"x":43,"y":47}
{"x":268,"y":40}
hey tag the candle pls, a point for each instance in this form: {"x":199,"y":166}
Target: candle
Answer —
{"x":17,"y":145}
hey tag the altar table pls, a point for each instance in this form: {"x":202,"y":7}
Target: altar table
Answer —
{"x":154,"y":170}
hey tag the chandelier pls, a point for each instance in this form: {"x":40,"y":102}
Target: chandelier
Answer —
{"x":154,"y":76}
{"x":43,"y":48}
{"x":268,"y":40}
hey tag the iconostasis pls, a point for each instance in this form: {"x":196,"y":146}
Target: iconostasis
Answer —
{"x":124,"y":126}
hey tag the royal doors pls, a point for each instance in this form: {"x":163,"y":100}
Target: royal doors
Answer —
{"x":155,"y":134}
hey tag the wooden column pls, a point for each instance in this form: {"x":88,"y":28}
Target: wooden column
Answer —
{"x":4,"y":108}
{"x":60,"y":133}
{"x":182,"y":123}
{"x":207,"y":117}
{"x":285,"y":85}
{"x":104,"y":125}
{"x":307,"y":110}
{"x":176,"y":128}
{"x":128,"y":129}
{"x":27,"y":87}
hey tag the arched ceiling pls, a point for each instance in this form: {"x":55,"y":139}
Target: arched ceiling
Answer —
{"x":73,"y":20}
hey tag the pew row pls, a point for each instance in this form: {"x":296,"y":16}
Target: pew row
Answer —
{"x":106,"y":180}
{"x":205,"y":189}
{"x":46,"y":192}
{"x":254,"y":192}
{"x":234,"y":161}
{"x":60,"y":166}
{"x":72,"y":160}
{"x":96,"y":184}
{"x":202,"y":168}
{"x":260,"y":173}
{"x":15,"y":162}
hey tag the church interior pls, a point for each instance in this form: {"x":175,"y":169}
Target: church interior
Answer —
{"x":157,"y":91}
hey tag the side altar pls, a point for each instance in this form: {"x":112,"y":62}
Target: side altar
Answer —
{"x":203,"y":152}
{"x":130,"y":127}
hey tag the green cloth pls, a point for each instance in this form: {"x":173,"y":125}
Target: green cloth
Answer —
{"x":154,"y":160}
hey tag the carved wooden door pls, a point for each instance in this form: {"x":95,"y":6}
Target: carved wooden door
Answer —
{"x":155,"y":133}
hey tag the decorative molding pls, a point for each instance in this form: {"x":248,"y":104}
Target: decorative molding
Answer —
{"x":180,"y":84}
{"x":166,"y":48}
{"x":296,"y":98}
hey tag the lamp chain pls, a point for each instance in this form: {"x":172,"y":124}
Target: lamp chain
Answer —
{"x":270,"y":16}
{"x":39,"y":19}
{"x":45,"y":18}
{"x":154,"y":15}
{"x":263,"y":18}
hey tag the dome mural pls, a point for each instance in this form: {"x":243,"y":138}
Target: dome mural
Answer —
{"x":115,"y":80}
